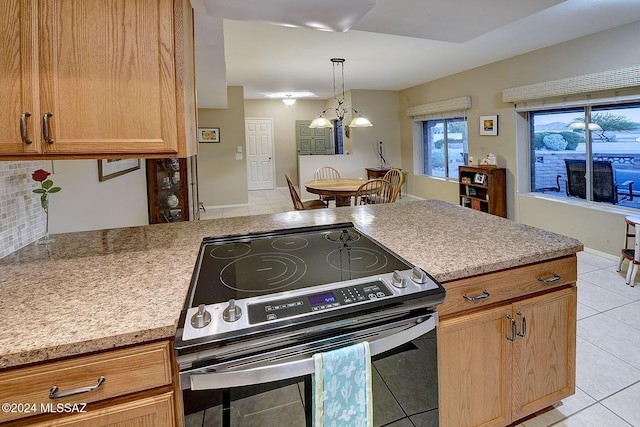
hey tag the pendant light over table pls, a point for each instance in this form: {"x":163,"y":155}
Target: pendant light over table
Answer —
{"x":322,"y":122}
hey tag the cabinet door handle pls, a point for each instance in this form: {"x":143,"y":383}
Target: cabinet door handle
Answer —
{"x":55,"y":394}
{"x":24,"y":129}
{"x":483,"y":295}
{"x":512,"y":337}
{"x":552,"y":279}
{"x":45,"y":127}
{"x":523,"y":324}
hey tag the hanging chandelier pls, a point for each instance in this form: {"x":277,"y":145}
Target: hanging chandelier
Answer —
{"x":322,"y":122}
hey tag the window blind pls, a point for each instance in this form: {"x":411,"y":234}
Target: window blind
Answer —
{"x":455,"y":107}
{"x":609,"y":80}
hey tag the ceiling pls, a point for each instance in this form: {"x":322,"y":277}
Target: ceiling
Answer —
{"x":388,"y":44}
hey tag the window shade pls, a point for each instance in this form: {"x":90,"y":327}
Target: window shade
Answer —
{"x":454,"y":107}
{"x":618,"y":78}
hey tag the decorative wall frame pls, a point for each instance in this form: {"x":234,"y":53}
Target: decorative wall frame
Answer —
{"x":208,"y":134}
{"x":489,"y":125}
{"x":110,"y":168}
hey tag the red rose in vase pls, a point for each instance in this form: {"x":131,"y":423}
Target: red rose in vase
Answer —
{"x":46,"y":187}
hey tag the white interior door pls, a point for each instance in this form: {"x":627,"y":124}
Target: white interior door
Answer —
{"x":259,"y":135}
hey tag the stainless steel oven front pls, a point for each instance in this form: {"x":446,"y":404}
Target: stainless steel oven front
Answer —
{"x":261,"y":305}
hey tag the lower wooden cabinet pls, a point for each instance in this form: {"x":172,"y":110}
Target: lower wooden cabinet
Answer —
{"x":503,"y":363}
{"x":133,"y":386}
{"x":155,"y":411}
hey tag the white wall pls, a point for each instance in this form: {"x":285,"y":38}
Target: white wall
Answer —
{"x":85,"y":203}
{"x":599,"y":227}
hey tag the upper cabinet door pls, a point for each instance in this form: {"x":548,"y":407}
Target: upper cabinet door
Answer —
{"x":19,"y":109}
{"x":107,"y":76}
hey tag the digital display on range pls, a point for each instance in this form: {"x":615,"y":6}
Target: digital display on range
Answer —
{"x":325,"y":298}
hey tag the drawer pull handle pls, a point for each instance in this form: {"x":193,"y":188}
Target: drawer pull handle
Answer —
{"x":54,"y":394}
{"x":523,"y":329}
{"x":46,"y":131}
{"x":483,"y":295}
{"x":555,"y":278}
{"x":512,"y":337}
{"x":24,"y":128}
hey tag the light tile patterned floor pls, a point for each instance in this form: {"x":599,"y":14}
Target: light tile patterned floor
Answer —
{"x":260,"y":202}
{"x":608,"y":342}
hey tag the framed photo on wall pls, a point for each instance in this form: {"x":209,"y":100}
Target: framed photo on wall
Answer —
{"x":110,"y":168}
{"x":489,"y":125}
{"x":208,"y":134}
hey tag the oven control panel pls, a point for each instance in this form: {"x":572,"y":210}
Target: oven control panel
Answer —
{"x":325,"y":300}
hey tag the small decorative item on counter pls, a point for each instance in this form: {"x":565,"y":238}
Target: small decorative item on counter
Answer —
{"x":46,"y":188}
{"x":470,"y":162}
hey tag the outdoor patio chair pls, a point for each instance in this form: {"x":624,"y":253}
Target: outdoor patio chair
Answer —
{"x":605,"y":188}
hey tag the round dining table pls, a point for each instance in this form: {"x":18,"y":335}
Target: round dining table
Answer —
{"x":340,"y":188}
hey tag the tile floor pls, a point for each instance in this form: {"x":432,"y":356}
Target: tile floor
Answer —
{"x":608,"y":342}
{"x":260,"y":202}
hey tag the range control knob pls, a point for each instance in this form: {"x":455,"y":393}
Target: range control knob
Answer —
{"x":232,"y":312}
{"x":419,"y":276}
{"x":201,"y":319}
{"x":398,"y":280}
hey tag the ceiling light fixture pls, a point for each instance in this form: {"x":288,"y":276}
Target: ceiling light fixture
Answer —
{"x":289,"y":101}
{"x":322,"y":122}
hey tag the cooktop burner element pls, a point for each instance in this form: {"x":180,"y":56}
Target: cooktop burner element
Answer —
{"x":262,"y":273}
{"x":357,"y":260}
{"x":290,"y":243}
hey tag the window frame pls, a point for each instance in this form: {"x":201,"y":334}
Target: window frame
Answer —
{"x":525,"y":119}
{"x":425,"y":158}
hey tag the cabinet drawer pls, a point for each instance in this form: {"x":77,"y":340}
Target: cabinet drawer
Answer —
{"x":125,"y":371}
{"x":507,"y":284}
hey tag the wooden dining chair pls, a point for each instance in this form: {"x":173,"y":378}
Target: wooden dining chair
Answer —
{"x":374,"y":191}
{"x":394,"y":176}
{"x":298,"y":204}
{"x":326,"y":172}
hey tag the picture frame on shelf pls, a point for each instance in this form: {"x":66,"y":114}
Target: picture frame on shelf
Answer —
{"x":480,"y":178}
{"x":489,"y":125}
{"x":111,"y":168}
{"x":209,"y":135}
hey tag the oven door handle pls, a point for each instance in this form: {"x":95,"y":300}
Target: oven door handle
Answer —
{"x":297,"y":368}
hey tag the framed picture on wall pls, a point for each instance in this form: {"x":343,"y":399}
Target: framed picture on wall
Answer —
{"x":208,"y":134}
{"x":110,"y":168}
{"x":489,"y":125}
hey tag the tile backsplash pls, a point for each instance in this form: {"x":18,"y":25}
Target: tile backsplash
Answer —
{"x":22,"y":220}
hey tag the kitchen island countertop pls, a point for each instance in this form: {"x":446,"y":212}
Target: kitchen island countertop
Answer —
{"x":97,"y":290}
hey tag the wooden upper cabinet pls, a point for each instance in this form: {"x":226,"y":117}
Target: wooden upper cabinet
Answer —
{"x":19,"y":78}
{"x":111,"y":78}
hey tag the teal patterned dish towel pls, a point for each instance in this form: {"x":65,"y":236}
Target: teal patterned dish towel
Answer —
{"x":342,"y":395}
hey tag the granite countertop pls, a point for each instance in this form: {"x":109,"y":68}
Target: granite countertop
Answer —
{"x":97,"y":290}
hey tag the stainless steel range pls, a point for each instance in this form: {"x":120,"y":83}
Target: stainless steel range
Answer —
{"x":261,"y":304}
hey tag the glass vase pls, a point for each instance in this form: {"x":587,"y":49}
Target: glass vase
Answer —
{"x":46,"y":239}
